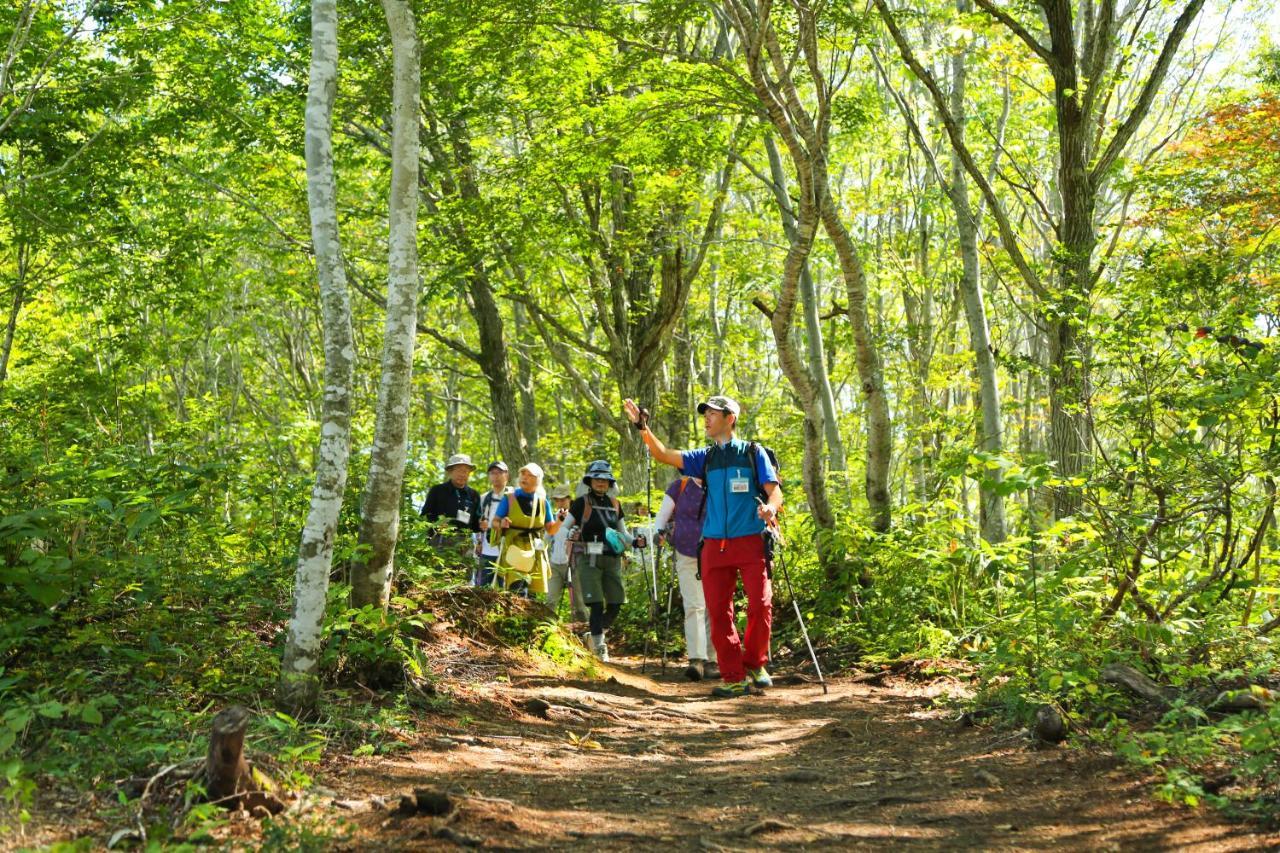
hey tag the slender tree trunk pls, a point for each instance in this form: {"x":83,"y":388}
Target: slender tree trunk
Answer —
{"x":807,"y":377}
{"x":11,"y":324}
{"x":1067,"y":318}
{"x":807,"y":142}
{"x":565,"y":474}
{"x":493,"y":357}
{"x":299,"y":687}
{"x":380,"y":513}
{"x":811,"y":306}
{"x":452,"y":415}
{"x":813,"y":325}
{"x":495,"y":365}
{"x":1068,"y":321}
{"x":990,"y":436}
{"x":715,"y":358}
{"x":1069,"y":445}
{"x":682,"y":401}
{"x":870,"y":370}
{"x":796,"y":370}
{"x":524,"y":381}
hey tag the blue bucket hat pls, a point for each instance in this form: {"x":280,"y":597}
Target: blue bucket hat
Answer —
{"x":599,"y":470}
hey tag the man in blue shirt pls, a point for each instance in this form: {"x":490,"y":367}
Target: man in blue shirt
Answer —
{"x":734,"y":474}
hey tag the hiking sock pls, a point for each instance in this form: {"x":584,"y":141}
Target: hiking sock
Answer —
{"x":599,"y":647}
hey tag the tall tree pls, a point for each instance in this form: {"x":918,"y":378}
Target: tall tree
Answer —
{"x":299,"y":687}
{"x":803,"y":124}
{"x":642,"y":207}
{"x":814,"y":345}
{"x":639,"y":273}
{"x":1095,"y":124}
{"x":380,"y":514}
{"x":955,"y":183}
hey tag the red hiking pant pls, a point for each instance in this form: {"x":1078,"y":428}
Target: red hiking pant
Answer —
{"x":722,"y":561}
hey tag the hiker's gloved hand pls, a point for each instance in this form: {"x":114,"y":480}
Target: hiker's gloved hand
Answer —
{"x":767,"y":513}
{"x":639,"y":417}
{"x":639,"y":542}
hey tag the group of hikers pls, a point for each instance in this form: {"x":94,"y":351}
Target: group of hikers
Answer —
{"x":717,"y":516}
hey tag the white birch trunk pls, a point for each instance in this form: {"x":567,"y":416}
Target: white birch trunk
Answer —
{"x":299,"y":688}
{"x":380,"y":512}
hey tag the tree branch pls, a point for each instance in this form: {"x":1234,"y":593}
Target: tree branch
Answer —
{"x":1007,"y":235}
{"x":561,"y":354}
{"x":1143,"y":106}
{"x":1018,"y":30}
{"x":362,"y":287}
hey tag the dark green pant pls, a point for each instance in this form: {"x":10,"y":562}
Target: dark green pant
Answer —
{"x":602,"y":582}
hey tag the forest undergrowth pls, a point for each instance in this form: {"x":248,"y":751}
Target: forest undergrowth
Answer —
{"x":138,"y":619}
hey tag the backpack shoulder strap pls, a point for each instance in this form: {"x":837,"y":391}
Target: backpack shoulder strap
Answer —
{"x":706,"y":463}
{"x":753,"y":456}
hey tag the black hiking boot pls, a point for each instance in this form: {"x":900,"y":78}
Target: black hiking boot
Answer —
{"x":694,"y":671}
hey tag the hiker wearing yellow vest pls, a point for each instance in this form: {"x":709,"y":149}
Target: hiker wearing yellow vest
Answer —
{"x":524,"y":516}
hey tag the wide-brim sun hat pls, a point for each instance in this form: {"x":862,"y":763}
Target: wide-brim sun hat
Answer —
{"x":459,"y":459}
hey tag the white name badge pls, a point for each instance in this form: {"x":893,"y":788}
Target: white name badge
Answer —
{"x":463,"y":516}
{"x":740,"y":485}
{"x":595,"y":548}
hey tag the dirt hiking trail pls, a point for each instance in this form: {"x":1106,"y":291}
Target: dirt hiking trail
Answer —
{"x":648,"y":761}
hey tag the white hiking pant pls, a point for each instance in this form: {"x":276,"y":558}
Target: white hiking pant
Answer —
{"x":697,"y":624}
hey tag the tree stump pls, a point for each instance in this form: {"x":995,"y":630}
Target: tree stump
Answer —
{"x":1049,"y":726}
{"x":229,"y":781}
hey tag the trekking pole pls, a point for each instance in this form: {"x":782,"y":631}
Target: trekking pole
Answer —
{"x":653,"y":606}
{"x":791,"y":591}
{"x":666,"y":624}
{"x":804,"y":631}
{"x":650,"y":571}
{"x":648,"y":508}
